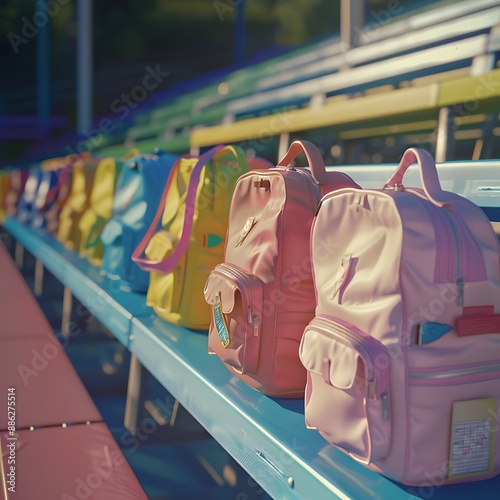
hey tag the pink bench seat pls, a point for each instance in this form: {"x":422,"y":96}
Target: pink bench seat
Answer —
{"x":20,"y":314}
{"x":21,"y":317}
{"x":48,"y":390}
{"x":80,"y":461}
{"x":11,"y":280}
{"x":63,"y":449}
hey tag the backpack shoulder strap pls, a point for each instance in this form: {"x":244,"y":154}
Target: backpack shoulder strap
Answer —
{"x":168,"y":265}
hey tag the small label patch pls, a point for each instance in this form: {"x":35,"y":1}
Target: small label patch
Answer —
{"x":472,"y":438}
{"x":220,"y":323}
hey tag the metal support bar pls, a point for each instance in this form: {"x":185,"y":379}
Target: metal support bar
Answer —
{"x":38,"y":286}
{"x":136,"y":395}
{"x":284,"y":144}
{"x":239,"y":33}
{"x":19,"y":255}
{"x":445,"y":143}
{"x":352,"y":22}
{"x":43,"y":68}
{"x":484,"y":146}
{"x":84,"y":75}
{"x":8,"y":241}
{"x":482,"y":64}
{"x":67,"y":306}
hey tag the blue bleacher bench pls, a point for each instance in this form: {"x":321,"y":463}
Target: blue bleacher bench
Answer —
{"x":266,"y":436}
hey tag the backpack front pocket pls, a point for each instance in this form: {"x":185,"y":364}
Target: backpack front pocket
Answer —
{"x":235,"y":330}
{"x":112,"y":238}
{"x":87,"y":224}
{"x":348,"y":388}
{"x":165,"y":290}
{"x":68,"y":231}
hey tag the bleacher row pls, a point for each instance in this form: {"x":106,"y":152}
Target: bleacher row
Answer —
{"x":432,"y":71}
{"x":394,"y":83}
{"x":86,"y":460}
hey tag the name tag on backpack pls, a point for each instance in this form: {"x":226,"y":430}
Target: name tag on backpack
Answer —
{"x":472,"y":438}
{"x":220,"y":323}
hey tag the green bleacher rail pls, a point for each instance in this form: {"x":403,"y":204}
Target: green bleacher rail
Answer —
{"x":177,"y":144}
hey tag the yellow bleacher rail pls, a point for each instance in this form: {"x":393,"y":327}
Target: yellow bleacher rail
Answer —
{"x":400,"y":127}
{"x":473,"y":92}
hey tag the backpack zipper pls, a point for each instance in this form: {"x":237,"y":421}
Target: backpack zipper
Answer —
{"x":459,"y":268}
{"x":314,"y":184}
{"x":459,"y":255}
{"x":449,"y":376}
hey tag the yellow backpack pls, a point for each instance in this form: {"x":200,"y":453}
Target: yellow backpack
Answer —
{"x":4,"y":191}
{"x":100,"y":210}
{"x":195,"y":208}
{"x":82,"y":180}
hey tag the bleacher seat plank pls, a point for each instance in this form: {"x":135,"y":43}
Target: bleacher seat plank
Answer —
{"x":20,"y":314}
{"x":48,"y":390}
{"x":76,"y":462}
{"x":424,"y":61}
{"x":20,"y":318}
{"x":50,"y":399}
{"x":11,"y":280}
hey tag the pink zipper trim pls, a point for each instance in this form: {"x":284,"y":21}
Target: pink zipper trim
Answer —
{"x":472,"y":258}
{"x":461,"y":380}
{"x":471,"y":263}
{"x":448,"y":368}
{"x":311,"y":183}
{"x":489,"y":374}
{"x":446,"y":258}
{"x":311,"y":253}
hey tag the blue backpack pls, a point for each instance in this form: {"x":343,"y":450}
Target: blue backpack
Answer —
{"x":26,"y":205}
{"x":137,"y":196}
{"x":46,"y":195}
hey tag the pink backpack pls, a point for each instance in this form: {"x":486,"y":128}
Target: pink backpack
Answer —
{"x":403,"y":356}
{"x":262,"y":296}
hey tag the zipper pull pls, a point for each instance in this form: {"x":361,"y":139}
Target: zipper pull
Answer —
{"x":460,"y":291}
{"x":371,"y":390}
{"x":255,"y":325}
{"x":249,"y":314}
{"x":395,"y":187}
{"x":386,"y":407}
